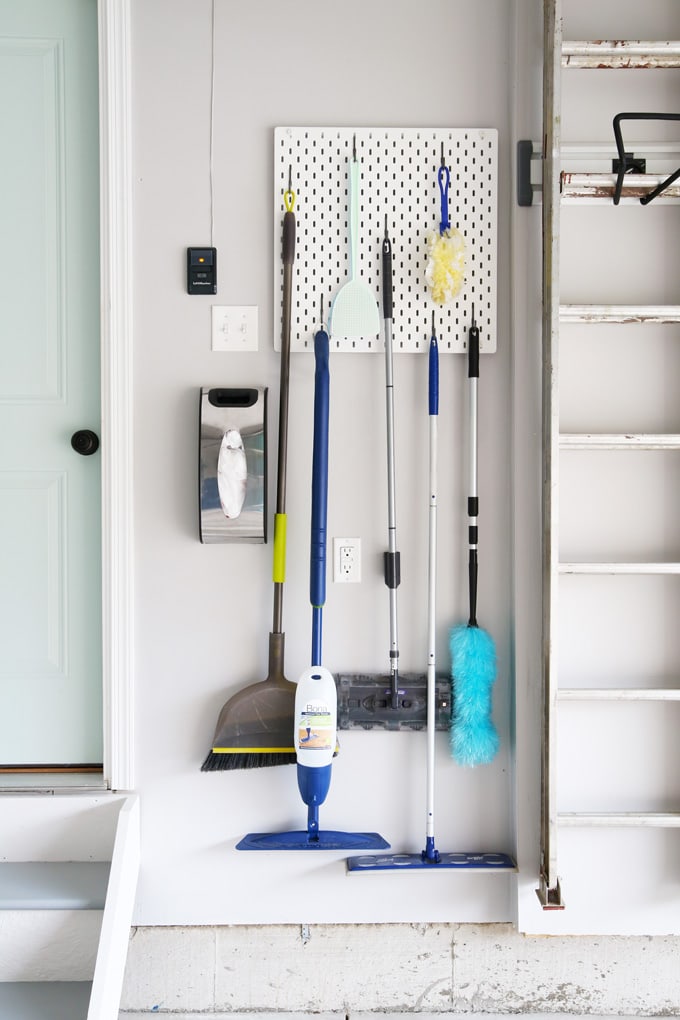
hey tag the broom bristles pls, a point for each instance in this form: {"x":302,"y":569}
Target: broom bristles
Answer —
{"x":474,"y":739}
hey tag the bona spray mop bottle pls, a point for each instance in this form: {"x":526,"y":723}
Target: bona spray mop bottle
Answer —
{"x":315,"y":736}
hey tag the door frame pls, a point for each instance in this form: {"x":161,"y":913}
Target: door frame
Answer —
{"x":115,"y":132}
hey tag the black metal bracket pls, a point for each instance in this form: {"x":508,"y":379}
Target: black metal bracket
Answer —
{"x":631,"y":164}
{"x":525,"y":189}
{"x":625,"y":167}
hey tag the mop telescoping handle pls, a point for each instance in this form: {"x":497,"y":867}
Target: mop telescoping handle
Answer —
{"x":317,"y":559}
{"x":391,"y":559}
{"x":430,"y":853}
{"x":473,"y":499}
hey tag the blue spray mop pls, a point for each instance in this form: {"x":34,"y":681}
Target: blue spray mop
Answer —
{"x":474,"y":740}
{"x":430,"y":857}
{"x":316,"y":699}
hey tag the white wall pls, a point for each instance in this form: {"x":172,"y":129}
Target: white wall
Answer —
{"x":204,"y":613}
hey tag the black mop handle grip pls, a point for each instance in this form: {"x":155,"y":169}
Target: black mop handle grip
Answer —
{"x":472,"y":575}
{"x":392,"y":566}
{"x":473,"y":353}
{"x":387,"y":278}
{"x":288,"y":239}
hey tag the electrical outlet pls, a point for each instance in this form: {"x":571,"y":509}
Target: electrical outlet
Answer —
{"x":347,"y":560}
{"x":234,"y":327}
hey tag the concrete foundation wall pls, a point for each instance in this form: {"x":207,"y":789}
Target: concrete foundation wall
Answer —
{"x":349,"y":969}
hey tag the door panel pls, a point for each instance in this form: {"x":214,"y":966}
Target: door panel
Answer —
{"x":50,"y":582}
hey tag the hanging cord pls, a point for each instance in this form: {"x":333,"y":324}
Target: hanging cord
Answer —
{"x":211,"y":166}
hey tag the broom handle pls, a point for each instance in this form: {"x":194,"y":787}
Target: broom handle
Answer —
{"x":279,"y":566}
{"x":473,"y":500}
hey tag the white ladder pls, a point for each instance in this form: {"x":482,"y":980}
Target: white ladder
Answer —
{"x":560,"y":186}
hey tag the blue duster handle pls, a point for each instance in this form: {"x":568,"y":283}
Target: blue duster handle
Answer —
{"x":433,"y":379}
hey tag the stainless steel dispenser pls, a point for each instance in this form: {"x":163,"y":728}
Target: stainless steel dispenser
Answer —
{"x":233,"y":465}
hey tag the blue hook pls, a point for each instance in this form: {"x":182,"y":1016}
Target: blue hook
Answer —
{"x":444,"y":178}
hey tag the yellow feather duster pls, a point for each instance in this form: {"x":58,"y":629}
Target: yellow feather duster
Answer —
{"x":445,"y":272}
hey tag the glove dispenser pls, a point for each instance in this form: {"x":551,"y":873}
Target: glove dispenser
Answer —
{"x":233,"y":465}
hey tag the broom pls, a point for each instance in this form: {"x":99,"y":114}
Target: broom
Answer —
{"x":474,"y":740}
{"x":255,"y":726}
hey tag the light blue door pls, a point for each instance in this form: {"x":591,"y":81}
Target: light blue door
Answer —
{"x":50,"y":574}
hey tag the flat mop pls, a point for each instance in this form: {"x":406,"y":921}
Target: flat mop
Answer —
{"x":315,"y":700}
{"x":394,"y":701}
{"x":430,"y":857}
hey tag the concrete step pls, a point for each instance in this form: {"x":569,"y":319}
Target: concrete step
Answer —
{"x":65,"y":911}
{"x":53,"y":885}
{"x":45,"y":1000}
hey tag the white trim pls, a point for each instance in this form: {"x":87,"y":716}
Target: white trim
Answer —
{"x":116,"y":391}
{"x":109,"y":971}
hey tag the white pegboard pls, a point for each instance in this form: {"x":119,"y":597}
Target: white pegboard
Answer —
{"x":398,"y":179}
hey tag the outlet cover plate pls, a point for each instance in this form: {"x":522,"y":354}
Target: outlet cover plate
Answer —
{"x":347,"y":560}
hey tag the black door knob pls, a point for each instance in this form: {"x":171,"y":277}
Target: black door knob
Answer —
{"x":85,"y":442}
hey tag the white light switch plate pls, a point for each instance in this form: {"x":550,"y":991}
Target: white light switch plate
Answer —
{"x":234,"y":327}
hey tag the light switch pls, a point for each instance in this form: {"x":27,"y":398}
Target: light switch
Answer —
{"x":234,"y":327}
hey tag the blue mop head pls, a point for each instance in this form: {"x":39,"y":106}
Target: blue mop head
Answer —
{"x":474,"y":740}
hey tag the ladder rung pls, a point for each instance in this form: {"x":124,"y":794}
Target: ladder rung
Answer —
{"x":627,"y":441}
{"x":641,"y":819}
{"x":618,"y":694}
{"x":620,"y":313}
{"x":607,"y":151}
{"x":575,"y":186}
{"x":621,"y":53}
{"x":619,"y":568}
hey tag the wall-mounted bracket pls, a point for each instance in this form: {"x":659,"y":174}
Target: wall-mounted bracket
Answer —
{"x":550,"y":898}
{"x":525,"y":189}
{"x":631,"y":163}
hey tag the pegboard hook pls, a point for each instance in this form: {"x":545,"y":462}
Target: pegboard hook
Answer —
{"x":289,"y":195}
{"x":444,"y":178}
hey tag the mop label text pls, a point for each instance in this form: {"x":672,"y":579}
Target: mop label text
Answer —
{"x":316,"y":728}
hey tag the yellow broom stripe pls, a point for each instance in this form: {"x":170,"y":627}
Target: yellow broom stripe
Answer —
{"x":279,"y":548}
{"x":253,"y":750}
